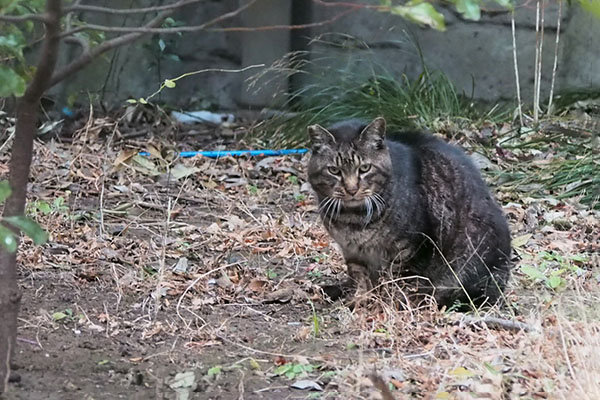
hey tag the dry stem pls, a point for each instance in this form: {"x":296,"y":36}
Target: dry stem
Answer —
{"x":514,"y":42}
{"x":555,"y":57}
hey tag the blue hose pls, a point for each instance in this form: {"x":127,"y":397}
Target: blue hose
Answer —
{"x":236,"y":153}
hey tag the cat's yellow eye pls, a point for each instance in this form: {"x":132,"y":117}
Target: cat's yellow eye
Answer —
{"x":364,"y":168}
{"x":333,"y":170}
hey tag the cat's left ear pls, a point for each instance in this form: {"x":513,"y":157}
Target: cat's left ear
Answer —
{"x":374,"y":134}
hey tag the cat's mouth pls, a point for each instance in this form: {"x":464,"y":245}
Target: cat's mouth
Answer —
{"x":372,"y":202}
{"x":372,"y":205}
{"x":354,"y":202}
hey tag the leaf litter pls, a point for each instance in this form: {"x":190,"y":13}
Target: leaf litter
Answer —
{"x":172,"y":267}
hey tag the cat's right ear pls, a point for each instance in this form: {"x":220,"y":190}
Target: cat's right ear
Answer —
{"x":320,"y":137}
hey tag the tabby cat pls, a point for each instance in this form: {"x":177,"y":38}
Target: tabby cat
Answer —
{"x":415,"y":206}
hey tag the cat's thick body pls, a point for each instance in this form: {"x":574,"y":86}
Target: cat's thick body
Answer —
{"x":431,"y":214}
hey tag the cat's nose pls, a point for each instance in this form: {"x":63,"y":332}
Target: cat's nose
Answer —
{"x":352,"y":191}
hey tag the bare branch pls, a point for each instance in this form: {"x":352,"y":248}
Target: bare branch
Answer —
{"x":351,"y":5}
{"x":287,"y":27}
{"x":206,"y":25}
{"x":148,"y":29}
{"x":133,"y":33}
{"x":24,"y":18}
{"x":162,"y":86}
{"x":87,"y":56}
{"x":81,"y":42}
{"x":501,"y":323}
{"x":109,"y":10}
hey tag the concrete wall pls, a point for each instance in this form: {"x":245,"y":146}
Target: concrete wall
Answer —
{"x":472,"y":52}
{"x":580,"y":52}
{"x":479,"y":52}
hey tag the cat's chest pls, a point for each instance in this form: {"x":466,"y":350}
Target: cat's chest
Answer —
{"x":361,"y":244}
{"x":377,"y":245}
{"x":357,"y":239}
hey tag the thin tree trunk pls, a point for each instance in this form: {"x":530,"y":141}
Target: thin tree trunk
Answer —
{"x":20,"y":162}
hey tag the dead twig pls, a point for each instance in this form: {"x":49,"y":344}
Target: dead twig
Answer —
{"x":114,"y":11}
{"x":496,"y":322}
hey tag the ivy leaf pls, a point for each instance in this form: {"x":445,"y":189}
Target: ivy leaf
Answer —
{"x":461,"y":373}
{"x":161,"y":45}
{"x":169,"y":83}
{"x":5,"y":191}
{"x":469,"y":9}
{"x":532,"y":272}
{"x":169,"y":22}
{"x":521,"y":241}
{"x":57,"y":316}
{"x":554,"y":281}
{"x":29,"y":227}
{"x":12,"y":45}
{"x":8,"y":239}
{"x":214,"y":371}
{"x":421,"y":13}
{"x":505,"y":3}
{"x":43,"y":207}
{"x":11,"y":83}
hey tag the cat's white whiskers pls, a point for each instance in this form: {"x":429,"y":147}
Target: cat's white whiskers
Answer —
{"x":339,"y":208}
{"x":379,"y":203}
{"x":334,"y":209}
{"x":369,"y":207}
{"x":324,"y":203}
{"x":325,"y":206}
{"x":330,"y":209}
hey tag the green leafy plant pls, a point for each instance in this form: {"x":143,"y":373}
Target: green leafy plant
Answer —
{"x":66,"y":315}
{"x":299,"y":197}
{"x":314,"y":275}
{"x":57,"y":206}
{"x":253,"y":189}
{"x":294,"y":370}
{"x":271,"y":274}
{"x":214,"y":372}
{"x":424,"y":13}
{"x":553,"y":268}
{"x":8,"y":237}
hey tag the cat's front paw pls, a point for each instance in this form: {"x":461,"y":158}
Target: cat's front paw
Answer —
{"x":338,"y":290}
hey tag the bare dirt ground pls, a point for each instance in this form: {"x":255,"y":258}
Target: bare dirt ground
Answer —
{"x":199,"y":279}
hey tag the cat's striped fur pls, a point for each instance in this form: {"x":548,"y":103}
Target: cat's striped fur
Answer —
{"x":415,"y":205}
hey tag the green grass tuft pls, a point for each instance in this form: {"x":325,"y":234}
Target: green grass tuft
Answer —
{"x":421,"y":104}
{"x":363,"y":89}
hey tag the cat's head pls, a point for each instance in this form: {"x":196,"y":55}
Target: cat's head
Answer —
{"x":350,"y":161}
